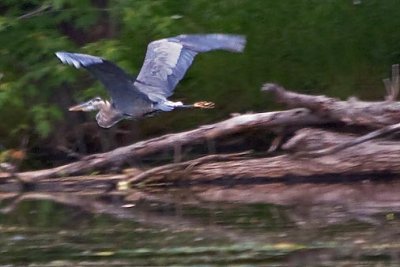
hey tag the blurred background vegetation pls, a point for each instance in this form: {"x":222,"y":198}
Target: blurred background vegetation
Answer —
{"x":335,"y":47}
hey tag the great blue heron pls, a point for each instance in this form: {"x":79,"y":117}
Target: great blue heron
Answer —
{"x":164,"y":66}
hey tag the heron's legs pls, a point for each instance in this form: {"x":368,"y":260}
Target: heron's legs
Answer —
{"x":170,"y":105}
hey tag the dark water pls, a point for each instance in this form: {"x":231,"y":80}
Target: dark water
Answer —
{"x":197,"y":228}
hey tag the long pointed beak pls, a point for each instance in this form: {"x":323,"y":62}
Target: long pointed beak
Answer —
{"x":82,"y":107}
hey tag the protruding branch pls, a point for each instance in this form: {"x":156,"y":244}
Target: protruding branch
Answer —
{"x":392,"y":85}
{"x":184,"y":167}
{"x":354,"y":142}
{"x":351,"y":112}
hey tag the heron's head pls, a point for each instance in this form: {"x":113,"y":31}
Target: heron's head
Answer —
{"x":93,"y":104}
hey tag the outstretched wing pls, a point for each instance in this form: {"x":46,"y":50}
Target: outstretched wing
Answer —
{"x":118,"y":83}
{"x":167,"y":60}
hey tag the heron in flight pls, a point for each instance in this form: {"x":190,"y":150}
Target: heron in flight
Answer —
{"x":164,"y":66}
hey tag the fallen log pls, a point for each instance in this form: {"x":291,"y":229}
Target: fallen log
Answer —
{"x":339,"y":146}
{"x":369,"y":157}
{"x":380,"y":157}
{"x":269,"y":121}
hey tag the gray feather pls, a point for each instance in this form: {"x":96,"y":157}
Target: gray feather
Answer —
{"x":208,"y":42}
{"x":167,"y":60}
{"x":78,"y":60}
{"x":124,"y":95}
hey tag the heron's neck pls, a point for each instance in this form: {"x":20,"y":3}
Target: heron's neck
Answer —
{"x":106,"y":109}
{"x":105,"y":106}
{"x":107,"y":115}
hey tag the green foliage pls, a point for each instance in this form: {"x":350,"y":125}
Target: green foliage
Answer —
{"x":330,"y":47}
{"x":43,"y":115}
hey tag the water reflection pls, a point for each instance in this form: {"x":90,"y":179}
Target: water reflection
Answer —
{"x":301,"y":224}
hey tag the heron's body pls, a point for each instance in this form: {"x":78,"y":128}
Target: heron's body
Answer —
{"x":164,"y":66}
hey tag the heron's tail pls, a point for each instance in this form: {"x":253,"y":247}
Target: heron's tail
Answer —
{"x":214,"y":41}
{"x":204,"y":105}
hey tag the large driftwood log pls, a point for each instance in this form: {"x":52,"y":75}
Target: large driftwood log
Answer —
{"x":352,"y":111}
{"x":269,"y":121}
{"x":366,"y":158}
{"x":334,"y":148}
